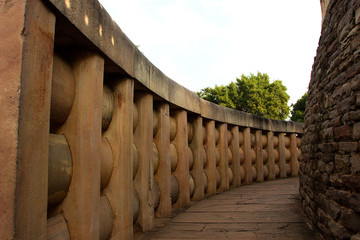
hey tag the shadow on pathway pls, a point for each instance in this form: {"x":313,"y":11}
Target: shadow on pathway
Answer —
{"x":269,"y":210}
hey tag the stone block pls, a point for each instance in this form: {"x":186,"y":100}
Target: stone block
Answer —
{"x":355,"y":83}
{"x":345,"y":105}
{"x":352,"y":182}
{"x":324,"y":230}
{"x":317,"y":175}
{"x":326,"y":124}
{"x":333,"y":114}
{"x":348,"y":147}
{"x":335,"y":229}
{"x":329,"y":168}
{"x":333,"y":209}
{"x":342,"y":162}
{"x":350,"y":220}
{"x":328,"y":157}
{"x":336,"y":121}
{"x":321,"y":200}
{"x":321,"y":166}
{"x":329,"y":133}
{"x":357,"y":19}
{"x":302,"y":193}
{"x":353,"y":70}
{"x":346,"y":118}
{"x":311,"y":215}
{"x":343,"y":132}
{"x":346,"y":89}
{"x":355,"y":115}
{"x":313,"y":206}
{"x":356,"y":131}
{"x":339,"y":196}
{"x":354,"y":202}
{"x":325,"y":178}
{"x":322,"y":216}
{"x":313,"y":148}
{"x":310,"y":193}
{"x":313,"y":138}
{"x":329,"y":147}
{"x":355,"y":163}
{"x":340,"y":79}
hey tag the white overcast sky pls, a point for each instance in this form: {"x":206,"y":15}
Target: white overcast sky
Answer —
{"x":203,"y":43}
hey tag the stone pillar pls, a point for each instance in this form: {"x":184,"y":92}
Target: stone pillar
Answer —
{"x":294,"y":157}
{"x":247,"y":155}
{"x":25,"y":107}
{"x":271,"y":158}
{"x":282,"y":156}
{"x":235,"y":149}
{"x":163,"y":175}
{"x":196,"y":146}
{"x":259,"y":156}
{"x":120,"y":136}
{"x":82,"y":130}
{"x":144,"y":179}
{"x":210,"y":167}
{"x":182,"y":170}
{"x":223,"y":166}
{"x":242,"y":156}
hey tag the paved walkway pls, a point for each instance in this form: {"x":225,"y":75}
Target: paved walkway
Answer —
{"x":269,"y":210}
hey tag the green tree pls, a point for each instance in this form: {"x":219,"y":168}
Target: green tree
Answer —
{"x":218,"y":95}
{"x":253,"y":94}
{"x":298,"y":109}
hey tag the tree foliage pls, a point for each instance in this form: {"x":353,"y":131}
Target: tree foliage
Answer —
{"x":298,"y":109}
{"x":252,"y":94}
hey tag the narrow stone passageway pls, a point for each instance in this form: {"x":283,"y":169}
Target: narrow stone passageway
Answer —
{"x":269,"y":210}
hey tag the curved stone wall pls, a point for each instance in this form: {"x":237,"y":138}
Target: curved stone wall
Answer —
{"x":330,"y":165}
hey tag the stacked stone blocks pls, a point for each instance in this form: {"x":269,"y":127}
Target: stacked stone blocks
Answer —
{"x":330,"y":165}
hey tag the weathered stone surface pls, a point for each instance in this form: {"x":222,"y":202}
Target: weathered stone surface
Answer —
{"x":321,"y":166}
{"x":263,"y":211}
{"x":330,"y":163}
{"x":341,"y":162}
{"x":11,"y":45}
{"x":329,"y":147}
{"x":335,"y":229}
{"x":355,"y":163}
{"x":333,"y":209}
{"x":348,"y":147}
{"x":343,"y":133}
{"x":356,"y":131}
{"x":352,"y":182}
{"x":342,"y":197}
{"x":354,"y":202}
{"x":350,"y":219}
{"x":355,"y":115}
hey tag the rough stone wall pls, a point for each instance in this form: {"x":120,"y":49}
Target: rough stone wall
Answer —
{"x":330,"y":164}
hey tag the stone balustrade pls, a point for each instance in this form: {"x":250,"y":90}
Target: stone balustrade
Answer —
{"x":106,"y":143}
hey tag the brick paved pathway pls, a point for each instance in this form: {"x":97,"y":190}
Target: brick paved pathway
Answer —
{"x":269,"y":210}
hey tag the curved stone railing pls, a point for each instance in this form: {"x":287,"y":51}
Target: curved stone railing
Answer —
{"x":126,"y":143}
